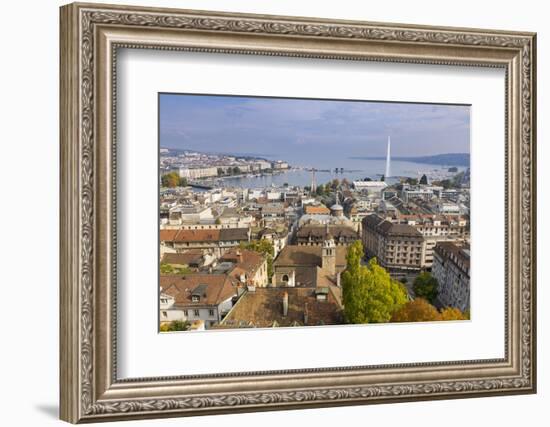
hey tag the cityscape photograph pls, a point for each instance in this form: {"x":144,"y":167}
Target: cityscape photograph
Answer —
{"x":294,"y":212}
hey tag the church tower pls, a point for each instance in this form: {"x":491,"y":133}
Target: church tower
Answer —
{"x":329,"y":254}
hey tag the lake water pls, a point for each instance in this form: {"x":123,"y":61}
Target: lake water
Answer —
{"x":355,"y":170}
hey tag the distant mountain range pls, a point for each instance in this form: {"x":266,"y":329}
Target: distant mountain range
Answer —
{"x":449,"y":159}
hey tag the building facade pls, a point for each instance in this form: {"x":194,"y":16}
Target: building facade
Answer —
{"x":451,"y":268}
{"x":396,"y":246}
{"x":248,"y":267}
{"x":316,"y":235}
{"x":309,"y":266}
{"x":217,"y":240}
{"x":204,"y":297}
{"x":407,"y":243}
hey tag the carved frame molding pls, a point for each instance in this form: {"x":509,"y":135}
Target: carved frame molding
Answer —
{"x":90,"y":37}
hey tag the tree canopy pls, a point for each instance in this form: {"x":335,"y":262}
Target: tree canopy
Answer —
{"x":370,"y":295}
{"x":453,"y":313}
{"x":421,"y":310}
{"x":454,"y":182}
{"x":166,"y":268}
{"x":423,"y":180}
{"x":426,"y":286}
{"x":418,"y":310}
{"x":176,"y":325}
{"x":172,"y":179}
{"x":264,"y":247}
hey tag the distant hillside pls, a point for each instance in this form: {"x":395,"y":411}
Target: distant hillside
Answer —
{"x":449,"y":159}
{"x":247,"y":156}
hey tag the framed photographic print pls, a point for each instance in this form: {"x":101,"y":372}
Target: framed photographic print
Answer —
{"x":265,"y":212}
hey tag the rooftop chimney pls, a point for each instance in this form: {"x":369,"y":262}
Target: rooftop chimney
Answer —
{"x":285,"y":304}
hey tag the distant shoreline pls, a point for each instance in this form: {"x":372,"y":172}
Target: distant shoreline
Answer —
{"x":450,"y":159}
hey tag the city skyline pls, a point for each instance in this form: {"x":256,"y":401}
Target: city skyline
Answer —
{"x":272,"y":127}
{"x":277,"y":212}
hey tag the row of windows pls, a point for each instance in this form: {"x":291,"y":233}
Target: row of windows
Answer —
{"x":403,"y":261}
{"x":233,"y":243}
{"x":403,"y":255}
{"x":196,"y":313}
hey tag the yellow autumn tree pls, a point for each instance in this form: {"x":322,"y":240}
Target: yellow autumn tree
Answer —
{"x":453,"y":313}
{"x":418,"y":310}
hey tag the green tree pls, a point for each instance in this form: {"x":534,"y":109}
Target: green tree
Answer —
{"x":425,"y":286}
{"x":171,"y":180}
{"x":457,"y":179}
{"x":320,"y":190}
{"x":236,"y":170}
{"x":166,"y":268}
{"x":446,"y":183}
{"x":382,"y":178}
{"x":220,"y":172}
{"x":264,"y":247}
{"x":424,"y":180}
{"x":418,"y":310}
{"x":411,"y":181}
{"x":183,"y":182}
{"x":370,"y":295}
{"x":175,"y":325}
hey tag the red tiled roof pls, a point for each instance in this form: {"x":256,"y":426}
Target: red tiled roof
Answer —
{"x":295,"y":255}
{"x":312,"y":210}
{"x":264,"y":306}
{"x":246,"y":261}
{"x":217,"y":288}
{"x":197,"y":236}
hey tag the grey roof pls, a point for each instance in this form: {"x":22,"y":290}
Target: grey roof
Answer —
{"x":233,"y":234}
{"x":388,"y":228}
{"x":273,"y":208}
{"x":320,"y":232}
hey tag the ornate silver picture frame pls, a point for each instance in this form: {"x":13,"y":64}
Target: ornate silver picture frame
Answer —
{"x":91,"y":34}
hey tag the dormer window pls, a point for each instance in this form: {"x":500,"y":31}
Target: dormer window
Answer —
{"x":198,"y":292}
{"x":321,"y":293}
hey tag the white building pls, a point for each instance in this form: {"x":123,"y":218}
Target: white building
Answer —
{"x":196,"y":173}
{"x":190,"y":215}
{"x":448,"y":208}
{"x":371,"y":187}
{"x":205,"y":297}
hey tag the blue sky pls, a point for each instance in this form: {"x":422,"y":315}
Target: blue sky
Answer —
{"x":301,"y":128}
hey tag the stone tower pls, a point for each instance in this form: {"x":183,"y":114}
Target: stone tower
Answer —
{"x":329,"y":254}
